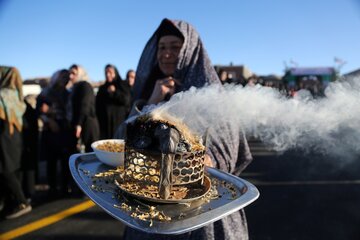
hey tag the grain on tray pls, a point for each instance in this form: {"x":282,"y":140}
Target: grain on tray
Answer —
{"x":111,"y":147}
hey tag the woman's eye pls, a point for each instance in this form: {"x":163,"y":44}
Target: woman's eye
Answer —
{"x":175,"y":48}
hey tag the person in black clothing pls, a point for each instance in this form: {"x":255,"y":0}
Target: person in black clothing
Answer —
{"x":112,"y":102}
{"x":55,"y":137}
{"x":130,"y":79}
{"x":81,"y":109}
{"x":29,"y":159}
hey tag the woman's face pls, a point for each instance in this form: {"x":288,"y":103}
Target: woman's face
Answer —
{"x":131,"y":78}
{"x":109,"y":74}
{"x":167,"y":54}
{"x":73,"y":75}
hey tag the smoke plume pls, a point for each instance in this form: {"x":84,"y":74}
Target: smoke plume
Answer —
{"x":328,"y":125}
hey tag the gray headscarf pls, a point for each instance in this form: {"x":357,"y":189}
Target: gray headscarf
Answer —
{"x":231,"y":153}
{"x":194,"y":67}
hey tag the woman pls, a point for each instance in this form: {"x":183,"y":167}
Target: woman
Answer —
{"x":112,"y":102}
{"x":174,"y":60}
{"x":51,"y":107}
{"x":12,"y":108}
{"x":130,"y":79}
{"x":81,"y":109}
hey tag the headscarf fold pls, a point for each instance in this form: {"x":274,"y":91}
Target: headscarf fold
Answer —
{"x":12,"y":105}
{"x":194,"y":67}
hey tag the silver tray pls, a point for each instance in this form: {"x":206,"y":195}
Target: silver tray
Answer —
{"x":235,"y":193}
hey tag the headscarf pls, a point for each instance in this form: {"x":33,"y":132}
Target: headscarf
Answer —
{"x":58,"y":82}
{"x":194,"y":67}
{"x":117,"y":74}
{"x":82,"y":74}
{"x":117,"y":82}
{"x":55,"y":94}
{"x":59,"y":79}
{"x":12,"y":105}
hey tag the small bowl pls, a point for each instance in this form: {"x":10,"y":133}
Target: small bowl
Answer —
{"x":113,"y":159}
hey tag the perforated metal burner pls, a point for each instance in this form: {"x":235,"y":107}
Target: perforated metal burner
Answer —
{"x":164,"y":170}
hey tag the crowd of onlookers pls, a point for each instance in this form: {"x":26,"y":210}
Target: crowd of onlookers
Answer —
{"x":65,"y":118}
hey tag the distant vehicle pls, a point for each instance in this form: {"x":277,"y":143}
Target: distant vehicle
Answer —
{"x":31,"y":89}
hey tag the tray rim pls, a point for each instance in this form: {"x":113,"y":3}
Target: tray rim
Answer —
{"x":189,"y":224}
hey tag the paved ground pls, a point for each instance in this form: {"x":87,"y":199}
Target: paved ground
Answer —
{"x":301,"y":197}
{"x":304,"y":197}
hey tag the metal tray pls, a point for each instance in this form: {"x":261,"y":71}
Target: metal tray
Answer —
{"x":235,"y":193}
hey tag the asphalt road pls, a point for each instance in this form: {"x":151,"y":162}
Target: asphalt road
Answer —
{"x":301,"y":197}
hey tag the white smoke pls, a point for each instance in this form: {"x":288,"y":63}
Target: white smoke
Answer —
{"x":330,"y":125}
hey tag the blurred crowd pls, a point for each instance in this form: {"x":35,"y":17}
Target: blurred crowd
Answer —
{"x":312,"y":84}
{"x":41,"y":132}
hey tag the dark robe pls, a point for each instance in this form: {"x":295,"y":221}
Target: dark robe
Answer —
{"x":83,"y":113}
{"x":112,"y":108}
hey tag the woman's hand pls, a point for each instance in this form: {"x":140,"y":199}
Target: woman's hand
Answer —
{"x":44,"y":108}
{"x":78,"y":130}
{"x":163,"y":87}
{"x":208,"y":162}
{"x":111,"y":89}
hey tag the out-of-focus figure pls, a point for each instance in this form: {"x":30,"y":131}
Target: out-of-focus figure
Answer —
{"x":55,"y":138}
{"x":29,"y":165}
{"x":112,"y":102}
{"x":12,"y":109}
{"x":130,"y":77}
{"x":81,"y":109}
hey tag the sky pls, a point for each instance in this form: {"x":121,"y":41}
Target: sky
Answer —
{"x":40,"y":37}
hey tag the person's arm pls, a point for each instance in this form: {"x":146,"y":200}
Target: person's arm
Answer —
{"x":121,"y":95}
{"x":82,"y":105}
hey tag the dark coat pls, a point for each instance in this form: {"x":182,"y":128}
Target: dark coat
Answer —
{"x":30,"y":138}
{"x":112,"y":108}
{"x":83,"y":112}
{"x":10,"y":148}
